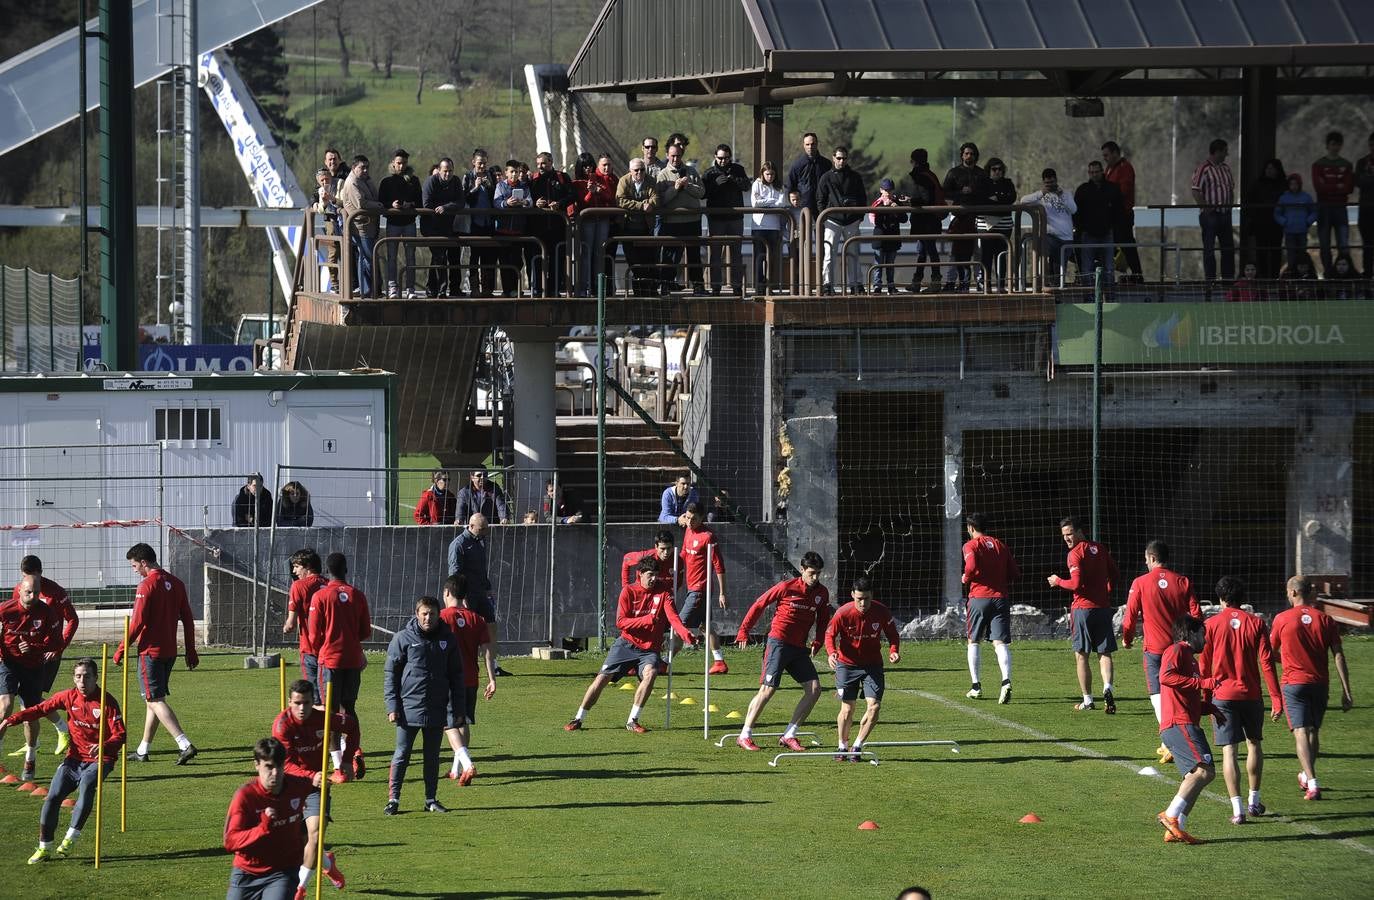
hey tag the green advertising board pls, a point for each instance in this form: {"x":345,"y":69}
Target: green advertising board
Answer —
{"x":1217,"y":333}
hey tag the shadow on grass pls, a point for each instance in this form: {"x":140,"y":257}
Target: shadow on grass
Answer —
{"x":624,"y":804}
{"x":503,"y":757}
{"x":509,"y":895}
{"x":520,"y":777}
{"x":1288,"y":838}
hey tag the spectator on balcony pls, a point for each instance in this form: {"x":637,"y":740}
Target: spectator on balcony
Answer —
{"x":996,"y":190}
{"x":253,"y":505}
{"x":326,"y":206}
{"x":769,"y":229}
{"x":482,"y":496}
{"x":961,"y":189}
{"x":1214,"y":190}
{"x":551,"y":190}
{"x":1294,"y":213}
{"x":884,"y":252}
{"x":443,"y":194}
{"x":479,"y":191}
{"x":1364,"y":180}
{"x":1121,"y":173}
{"x":1261,"y":235}
{"x":400,"y":194}
{"x":1099,"y":207}
{"x":594,"y":189}
{"x":634,"y":194}
{"x":1343,"y":282}
{"x":1246,"y":289}
{"x":437,"y":504}
{"x":558,"y":505}
{"x":804,"y":175}
{"x":511,"y":193}
{"x":680,"y":197}
{"x":926,"y":190}
{"x":841,"y":187}
{"x":293,"y":506}
{"x":726,"y":183}
{"x":1333,"y":180}
{"x":359,"y":198}
{"x":676,"y":498}
{"x":649,"y":156}
{"x":720,"y":510}
{"x":1059,"y":210}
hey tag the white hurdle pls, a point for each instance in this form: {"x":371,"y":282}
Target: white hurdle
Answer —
{"x":952,"y":745}
{"x":828,"y":754}
{"x":734,"y":734}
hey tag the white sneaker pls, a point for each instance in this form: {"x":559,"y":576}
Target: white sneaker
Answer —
{"x":419,"y":294}
{"x":1004,"y":696}
{"x":392,"y":293}
{"x":974,"y":693}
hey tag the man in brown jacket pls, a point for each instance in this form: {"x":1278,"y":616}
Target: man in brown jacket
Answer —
{"x":359,"y":198}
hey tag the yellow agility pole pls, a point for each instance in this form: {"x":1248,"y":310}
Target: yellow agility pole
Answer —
{"x":124,"y":748}
{"x":281,"y":672}
{"x":100,"y":748}
{"x":324,"y":790}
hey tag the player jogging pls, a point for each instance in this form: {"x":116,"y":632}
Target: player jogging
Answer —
{"x":852,"y":646}
{"x":989,"y":570}
{"x":1302,"y":636}
{"x":300,"y":729}
{"x":641,"y":616}
{"x":263,"y":828}
{"x":305,"y":570}
{"x":1181,"y":688}
{"x":1158,"y":597}
{"x":661,"y":552}
{"x":802,"y":602}
{"x":55,"y":596}
{"x":1092,"y":573}
{"x":77,"y":770}
{"x":339,"y":623}
{"x":695,"y":543}
{"x":1237,"y":651}
{"x":474,"y":640}
{"x":27,"y":634}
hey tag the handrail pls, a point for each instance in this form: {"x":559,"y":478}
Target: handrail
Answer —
{"x":907,"y":238}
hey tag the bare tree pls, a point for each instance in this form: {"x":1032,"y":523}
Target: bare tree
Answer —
{"x":338,"y":14}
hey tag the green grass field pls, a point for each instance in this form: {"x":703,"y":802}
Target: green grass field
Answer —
{"x":606,"y":813}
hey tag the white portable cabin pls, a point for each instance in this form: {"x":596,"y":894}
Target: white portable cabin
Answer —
{"x":173,"y":448}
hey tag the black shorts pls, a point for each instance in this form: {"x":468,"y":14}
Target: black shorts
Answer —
{"x":483,"y":607}
{"x":989,"y":619}
{"x":1244,"y":722}
{"x":623,"y":654}
{"x":779,"y":657}
{"x":155,"y":676}
{"x":347,"y":683}
{"x":693,"y":610}
{"x":1151,"y":663}
{"x":469,"y":706}
{"x":1305,"y":704}
{"x":1188,"y":745}
{"x":50,"y":673}
{"x":1092,"y":631}
{"x":24,"y":682}
{"x":312,"y":804}
{"x":848,"y":680}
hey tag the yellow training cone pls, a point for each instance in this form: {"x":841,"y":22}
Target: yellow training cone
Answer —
{"x":688,"y":701}
{"x":626,"y":686}
{"x":713,"y":708}
{"x":733,"y":714}
{"x":672,"y":696}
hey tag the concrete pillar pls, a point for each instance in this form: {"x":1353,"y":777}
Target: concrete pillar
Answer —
{"x":812,"y":429}
{"x":953,"y":534}
{"x":1259,"y":115}
{"x":1320,"y":490}
{"x":768,"y":139}
{"x":535,"y":415}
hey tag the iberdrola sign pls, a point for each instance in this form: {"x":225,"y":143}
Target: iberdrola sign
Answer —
{"x":1217,"y":333}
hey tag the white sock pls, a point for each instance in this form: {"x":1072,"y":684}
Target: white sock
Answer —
{"x":1003,"y":660}
{"x":1106,"y":689}
{"x":581,"y":713}
{"x":858,"y":745}
{"x":974,"y":659}
{"x":73,"y":833}
{"x":1157,"y":702}
{"x":143,"y":748}
{"x":746,"y":733}
{"x":1182,"y":819}
{"x":1176,"y":807}
{"x":304,"y":877}
{"x":454,"y":768}
{"x":183,"y":742}
{"x":841,"y":747}
{"x":61,"y":726}
{"x":44,"y":845}
{"x":1087,"y":698}
{"x":1235,"y":806}
{"x":30,"y":754}
{"x":1312,"y":783}
{"x":1254,"y":798}
{"x":464,"y":758}
{"x":791,"y":731}
{"x":718,"y":656}
{"x":336,"y":757}
{"x":634,"y":712}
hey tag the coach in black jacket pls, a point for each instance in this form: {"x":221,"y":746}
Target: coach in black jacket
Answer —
{"x":443,"y":193}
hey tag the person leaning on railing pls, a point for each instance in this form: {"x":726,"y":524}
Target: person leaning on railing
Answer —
{"x":769,"y":229}
{"x":293,"y":506}
{"x":635,"y":194}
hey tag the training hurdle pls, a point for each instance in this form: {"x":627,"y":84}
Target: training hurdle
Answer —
{"x":733,"y":734}
{"x":828,"y":754}
{"x":952,"y":745}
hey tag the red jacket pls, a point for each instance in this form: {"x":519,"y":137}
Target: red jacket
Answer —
{"x":339,"y":623}
{"x":1333,"y":180}
{"x":263,"y":843}
{"x":83,"y":722}
{"x":304,"y":741}
{"x":55,"y":595}
{"x":436,"y":507}
{"x":159,"y":604}
{"x":33,"y":627}
{"x":642,"y":614}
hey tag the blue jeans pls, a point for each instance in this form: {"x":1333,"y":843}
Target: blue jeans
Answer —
{"x":71,"y":775}
{"x":1328,"y":218}
{"x":362,"y":249}
{"x":406,"y":229}
{"x":1093,"y":256}
{"x":884,"y":255}
{"x":400,"y":759}
{"x":1216,"y":232}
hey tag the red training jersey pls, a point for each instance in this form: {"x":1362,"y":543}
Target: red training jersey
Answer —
{"x":989,"y":567}
{"x":694,"y":544}
{"x":799,"y":608}
{"x":159,"y":604}
{"x":83,"y":723}
{"x":339,"y":623}
{"x":1092,"y":572}
{"x":1180,"y":687}
{"x":298,"y":602}
{"x":55,"y":595}
{"x":34,"y":627}
{"x":642,"y":613}
{"x":261,"y":842}
{"x":1237,"y":649}
{"x":663,"y":577}
{"x":472,"y":633}
{"x":304,"y":741}
{"x":855,"y":637}
{"x":1159,"y":596}
{"x":1302,"y":637}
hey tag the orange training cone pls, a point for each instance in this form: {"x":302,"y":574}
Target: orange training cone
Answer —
{"x":40,"y":792}
{"x":1030,"y":819}
{"x":868,"y":825}
{"x":27,"y":786}
{"x":10,"y":779}
{"x":69,"y":803}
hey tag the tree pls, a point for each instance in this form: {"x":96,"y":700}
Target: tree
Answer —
{"x":338,"y":15}
{"x":260,"y":59}
{"x":842,"y":133}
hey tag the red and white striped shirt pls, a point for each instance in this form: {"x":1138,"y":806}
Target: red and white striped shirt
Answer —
{"x":1214,"y":182}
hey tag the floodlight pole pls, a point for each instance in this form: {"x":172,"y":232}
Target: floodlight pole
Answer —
{"x":1097,"y":400}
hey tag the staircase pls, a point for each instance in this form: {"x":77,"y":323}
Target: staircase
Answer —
{"x":638,"y":465}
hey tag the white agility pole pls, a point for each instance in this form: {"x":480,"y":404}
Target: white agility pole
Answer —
{"x":706,"y":657}
{"x":731,"y":734}
{"x":668,"y":694}
{"x":828,"y":754}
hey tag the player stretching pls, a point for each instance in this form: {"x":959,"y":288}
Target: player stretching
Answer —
{"x":159,"y":604}
{"x":55,"y":596}
{"x":1237,"y":649}
{"x":1181,"y":686}
{"x":339,"y":623}
{"x":263,"y":828}
{"x":1092,"y":572}
{"x":802,"y":602}
{"x":77,"y":770}
{"x":300,"y":728}
{"x":1302,"y":636}
{"x":1159,"y":597}
{"x":641,"y":616}
{"x":305,"y":569}
{"x":474,"y":639}
{"x":695,"y":541}
{"x":661,"y":552}
{"x":853,"y":651}
{"x":989,"y":570}
{"x":27,"y":634}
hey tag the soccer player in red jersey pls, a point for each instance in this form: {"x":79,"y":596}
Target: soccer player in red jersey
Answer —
{"x":1237,"y":651}
{"x":697,"y":540}
{"x":305,"y":570}
{"x":77,"y":771}
{"x":54,"y":595}
{"x":28,"y":632}
{"x":1092,"y":573}
{"x":300,"y":728}
{"x":474,"y":640}
{"x":1158,"y":597}
{"x":263,"y":828}
{"x":662,"y":552}
{"x":1302,"y":636}
{"x":852,"y":647}
{"x":802,"y":603}
{"x":159,"y":605}
{"x":989,"y":570}
{"x":1181,"y":693}
{"x":642,"y":614}
{"x":339,"y":622}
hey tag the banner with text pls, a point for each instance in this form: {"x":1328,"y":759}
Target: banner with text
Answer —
{"x":1217,"y":333}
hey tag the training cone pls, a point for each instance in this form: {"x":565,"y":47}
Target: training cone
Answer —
{"x":69,"y":803}
{"x":10,"y":779}
{"x":1148,"y":770}
{"x":27,"y":786}
{"x":687,"y":701}
{"x":40,"y":792}
{"x":1030,"y":819}
{"x":733,"y":714}
{"x":626,"y":686}
{"x":672,"y":696}
{"x":868,"y":825}
{"x":713,"y":708}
